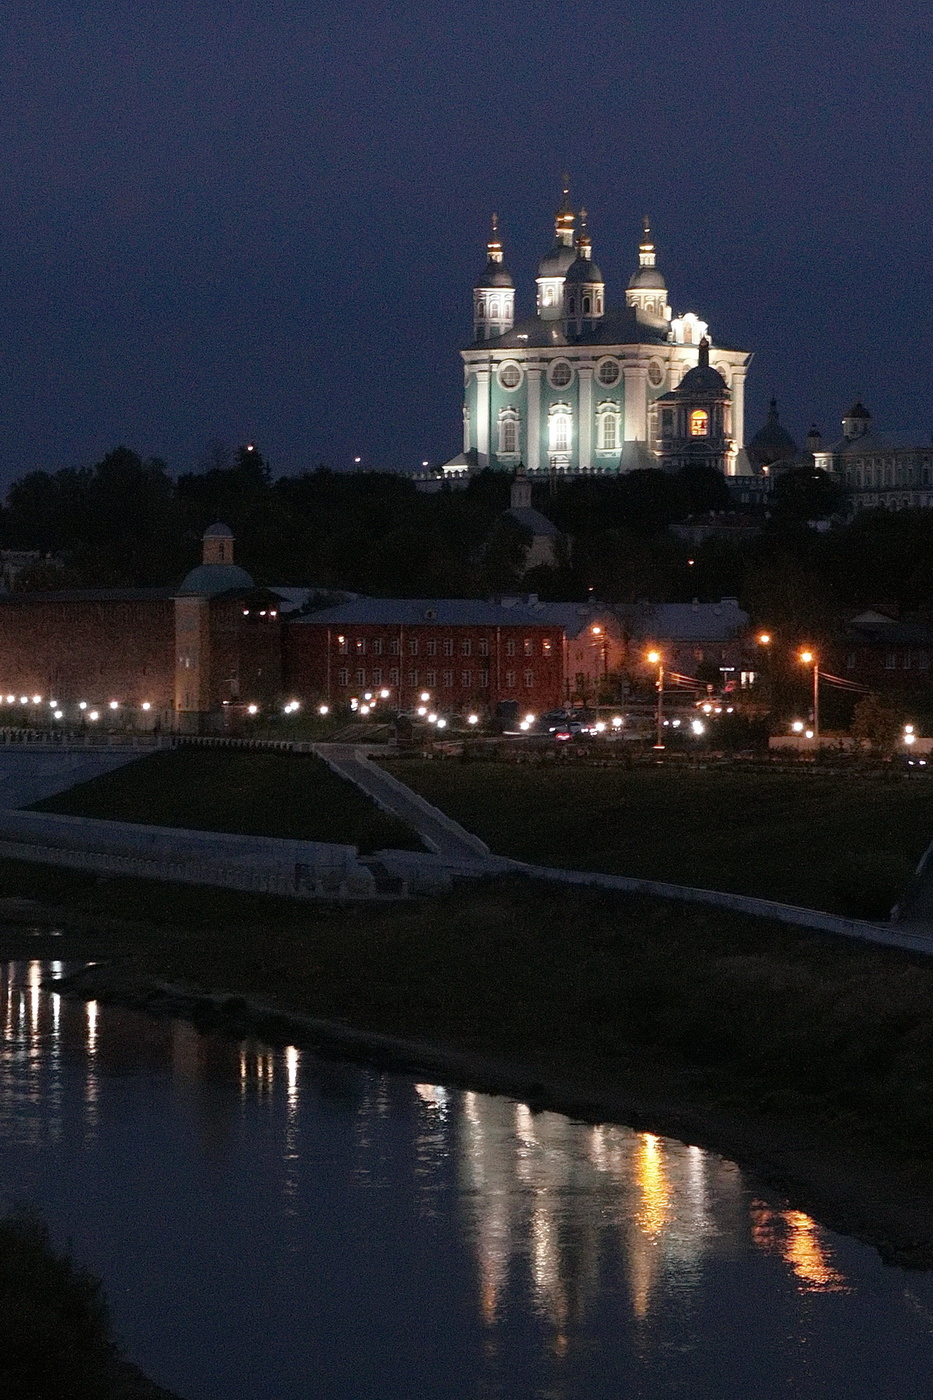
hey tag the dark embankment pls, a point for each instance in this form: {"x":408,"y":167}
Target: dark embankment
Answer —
{"x":808,"y":1056}
{"x":56,"y":1341}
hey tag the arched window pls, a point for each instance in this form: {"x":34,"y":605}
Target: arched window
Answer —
{"x":508,"y":432}
{"x":494,"y":310}
{"x":608,"y":424}
{"x":572,"y":306}
{"x":587,"y":306}
{"x":688,"y":335}
{"x":480,"y":311}
{"x":699,"y":423}
{"x":559,"y":428}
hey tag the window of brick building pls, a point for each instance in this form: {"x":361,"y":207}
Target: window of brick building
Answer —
{"x":377,"y":675}
{"x":466,"y":680}
{"x":430,"y":679}
{"x":448,"y":679}
{"x":413,"y":647}
{"x":923,"y":661}
{"x":395,"y":646}
{"x":412,"y":677}
{"x":431,"y":646}
{"x":529,"y":680}
{"x":890,"y":661}
{"x":343,"y":676}
{"x":377,"y":646}
{"x":510,"y":680}
{"x":361,"y":678}
{"x":850,"y":661}
{"x":449,"y":646}
{"x":546,"y":647}
{"x":359,"y":646}
{"x":394,"y":676}
{"x":528,"y":647}
{"x":466,"y":647}
{"x":483,"y":646}
{"x":484,"y":680}
{"x":342,"y":645}
{"x":510,"y":647}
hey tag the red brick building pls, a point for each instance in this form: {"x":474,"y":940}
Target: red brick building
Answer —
{"x":465,"y":655}
{"x":172,"y":657}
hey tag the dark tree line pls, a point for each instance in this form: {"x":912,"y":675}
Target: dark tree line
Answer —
{"x":127,"y":522}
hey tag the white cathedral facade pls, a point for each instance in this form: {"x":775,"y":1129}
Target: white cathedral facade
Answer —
{"x":580,"y":387}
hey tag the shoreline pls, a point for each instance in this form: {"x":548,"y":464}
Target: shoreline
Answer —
{"x":876,"y":1201}
{"x":815,"y":1155}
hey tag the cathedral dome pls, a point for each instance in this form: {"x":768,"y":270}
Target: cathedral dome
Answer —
{"x":646,"y":277}
{"x":702,"y":380}
{"x":584,"y":270}
{"x":557,"y":261}
{"x":211,"y":579}
{"x":772,"y":443}
{"x":495,"y":274}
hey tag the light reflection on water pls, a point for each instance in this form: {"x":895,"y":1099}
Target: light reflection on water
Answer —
{"x":270,"y":1224}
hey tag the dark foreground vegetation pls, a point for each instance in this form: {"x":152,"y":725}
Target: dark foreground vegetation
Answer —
{"x":255,"y":793}
{"x":762,"y":1041}
{"x":842,"y":842}
{"x":56,"y":1341}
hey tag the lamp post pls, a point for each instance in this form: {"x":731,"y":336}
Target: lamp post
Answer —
{"x":656,"y":659}
{"x":809,"y":659}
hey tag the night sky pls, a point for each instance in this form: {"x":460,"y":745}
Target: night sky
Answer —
{"x":261,"y":219}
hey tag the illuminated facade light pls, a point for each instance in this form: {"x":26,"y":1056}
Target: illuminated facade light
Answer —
{"x":323,"y":709}
{"x":797,"y":726}
{"x":37,"y":699}
{"x":58,"y":714}
{"x":472,"y":719}
{"x":82,"y":704}
{"x":442,"y":724}
{"x":146,"y":705}
{"x":252,"y":709}
{"x":114,"y":704}
{"x":94,"y":715}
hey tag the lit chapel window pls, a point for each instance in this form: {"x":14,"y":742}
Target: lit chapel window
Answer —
{"x":699,"y":423}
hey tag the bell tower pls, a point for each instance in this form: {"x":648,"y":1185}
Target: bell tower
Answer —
{"x":494,"y":293}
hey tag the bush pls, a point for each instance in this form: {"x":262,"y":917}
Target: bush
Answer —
{"x":55,"y":1342}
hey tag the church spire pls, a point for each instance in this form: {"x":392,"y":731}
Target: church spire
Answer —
{"x":494,"y":245}
{"x":565,"y":217}
{"x":646,"y":248}
{"x":494,"y":293}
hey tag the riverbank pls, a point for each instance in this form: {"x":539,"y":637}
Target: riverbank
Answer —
{"x":798,"y":1055}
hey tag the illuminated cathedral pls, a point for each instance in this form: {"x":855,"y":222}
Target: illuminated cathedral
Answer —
{"x":582,"y":387}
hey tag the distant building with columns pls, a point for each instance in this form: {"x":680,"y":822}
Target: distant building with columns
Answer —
{"x":581,"y":387}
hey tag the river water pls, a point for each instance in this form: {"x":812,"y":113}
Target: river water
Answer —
{"x":272,"y":1226}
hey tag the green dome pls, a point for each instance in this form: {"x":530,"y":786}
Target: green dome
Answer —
{"x":211,"y":579}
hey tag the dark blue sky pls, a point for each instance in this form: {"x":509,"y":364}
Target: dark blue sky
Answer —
{"x":260,"y":219}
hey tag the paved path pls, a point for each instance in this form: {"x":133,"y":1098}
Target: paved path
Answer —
{"x":440,"y":833}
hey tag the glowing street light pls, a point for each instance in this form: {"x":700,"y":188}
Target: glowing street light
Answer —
{"x":809,"y":658}
{"x":656,"y":659}
{"x":146,"y":706}
{"x":472,"y":719}
{"x":252,"y":709}
{"x":764,"y":638}
{"x":323,"y":709}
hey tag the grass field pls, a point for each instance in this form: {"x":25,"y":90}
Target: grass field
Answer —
{"x":802,"y":838}
{"x":256,"y":793}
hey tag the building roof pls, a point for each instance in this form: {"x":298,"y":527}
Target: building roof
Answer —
{"x":532,"y":520}
{"x":685,"y":622}
{"x":426,"y":612}
{"x":701,"y":382}
{"x":92,"y":595}
{"x":218,"y":532}
{"x":858,"y":410}
{"x":875,"y":629}
{"x":212,"y":579}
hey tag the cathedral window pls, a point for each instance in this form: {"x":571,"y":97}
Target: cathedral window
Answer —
{"x":608,"y":422}
{"x":561,"y":374}
{"x":508,"y":432}
{"x":599,"y":306}
{"x":572,"y":306}
{"x":587,"y":306}
{"x":480,"y":311}
{"x":510,"y":376}
{"x":494,"y":310}
{"x":699,"y":423}
{"x":608,"y":372}
{"x":559,"y":428}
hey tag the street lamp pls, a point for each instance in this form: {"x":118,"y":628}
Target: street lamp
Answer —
{"x":809,"y":659}
{"x":656,"y":659}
